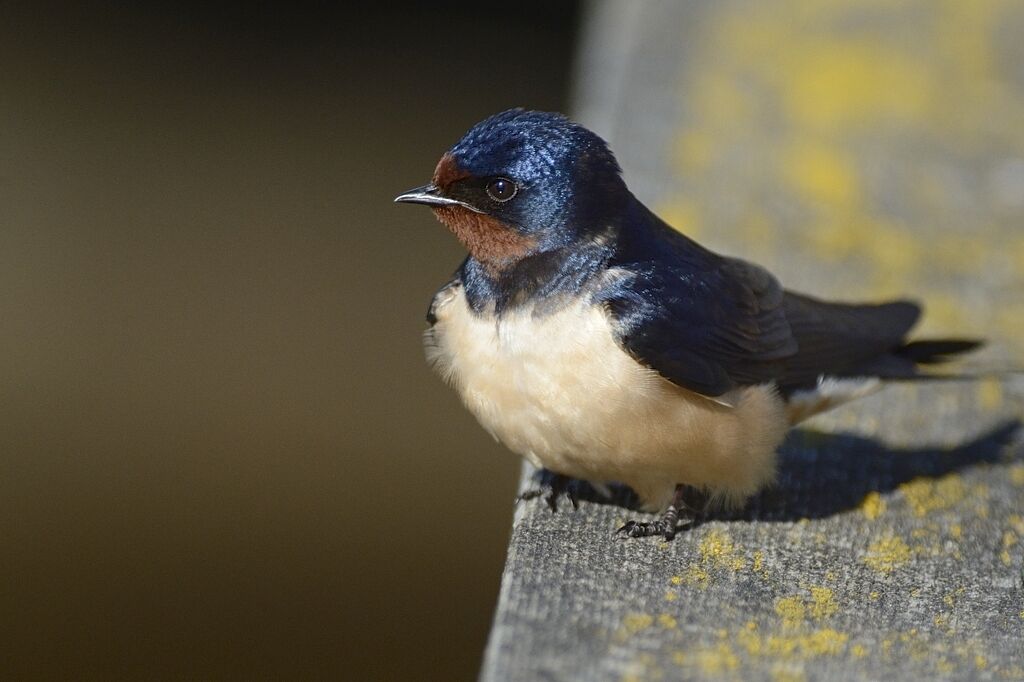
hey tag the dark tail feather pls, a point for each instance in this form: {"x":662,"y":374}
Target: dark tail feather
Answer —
{"x":936,"y":351}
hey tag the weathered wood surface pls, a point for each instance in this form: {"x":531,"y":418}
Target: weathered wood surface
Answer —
{"x":859,"y":151}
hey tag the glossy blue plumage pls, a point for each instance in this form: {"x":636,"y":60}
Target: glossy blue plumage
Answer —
{"x":705,"y":322}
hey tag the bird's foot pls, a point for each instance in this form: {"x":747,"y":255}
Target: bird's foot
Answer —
{"x":551,"y":489}
{"x":667,"y":526}
{"x":679,"y":513}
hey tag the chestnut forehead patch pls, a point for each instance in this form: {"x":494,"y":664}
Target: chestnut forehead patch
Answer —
{"x":447,"y":172}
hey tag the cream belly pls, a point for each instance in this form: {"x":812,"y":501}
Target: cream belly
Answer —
{"x":557,"y":389}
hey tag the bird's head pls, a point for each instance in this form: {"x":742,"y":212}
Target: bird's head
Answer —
{"x":524,"y":182}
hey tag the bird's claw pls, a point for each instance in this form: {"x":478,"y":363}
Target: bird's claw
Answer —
{"x":643,"y":529}
{"x":559,"y":484}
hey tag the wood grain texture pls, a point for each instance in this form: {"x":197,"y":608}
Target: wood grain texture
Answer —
{"x":857,"y":152}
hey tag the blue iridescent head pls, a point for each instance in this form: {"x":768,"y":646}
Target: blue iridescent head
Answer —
{"x":524,"y":181}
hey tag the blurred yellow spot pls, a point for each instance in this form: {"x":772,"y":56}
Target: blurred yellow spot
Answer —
{"x":858,"y":651}
{"x":667,"y":621}
{"x":956,"y":531}
{"x":872,"y":505}
{"x":717,"y":660}
{"x":676,"y":580}
{"x":633,"y":623}
{"x":1017,"y":474}
{"x":926,"y":495}
{"x":839,"y":83}
{"x":823,"y":174}
{"x":874,"y":595}
{"x":671,"y":596}
{"x":980,"y":662}
{"x":887,"y":554}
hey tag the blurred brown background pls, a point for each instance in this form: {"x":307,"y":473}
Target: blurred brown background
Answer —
{"x":221,"y":453}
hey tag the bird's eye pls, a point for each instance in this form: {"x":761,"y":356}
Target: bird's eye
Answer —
{"x":501,"y":189}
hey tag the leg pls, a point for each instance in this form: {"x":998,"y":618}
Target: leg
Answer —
{"x":667,"y":525}
{"x":556,"y":484}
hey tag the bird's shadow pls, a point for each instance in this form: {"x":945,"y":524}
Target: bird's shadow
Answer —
{"x":822,"y":474}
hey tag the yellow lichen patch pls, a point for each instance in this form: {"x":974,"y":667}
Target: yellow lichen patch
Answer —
{"x":717,"y":660}
{"x":1005,"y":557}
{"x":873,"y":505}
{"x":667,"y":621}
{"x":758,"y":565}
{"x":823,"y":603}
{"x":826,"y":642}
{"x":800,"y":646}
{"x":717,"y":552}
{"x":887,"y":554}
{"x":944,"y":666}
{"x":791,"y":610}
{"x":980,"y":662}
{"x":874,"y":595}
{"x":697,"y":575}
{"x":795,"y":610}
{"x":633,"y":623}
{"x":1017,"y":474}
{"x":926,"y":495}
{"x":717,"y":549}
{"x":956,"y":531}
{"x":670,"y":595}
{"x":858,"y":651}
{"x":1016,"y":522}
{"x":676,"y":580}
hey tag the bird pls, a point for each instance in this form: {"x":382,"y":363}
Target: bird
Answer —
{"x":591,"y":338}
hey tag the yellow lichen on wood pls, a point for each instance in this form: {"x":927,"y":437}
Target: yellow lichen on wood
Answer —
{"x":887,"y":554}
{"x":718,"y":550}
{"x":823,"y":603}
{"x":926,"y":495}
{"x":873,"y":505}
{"x":632,"y":623}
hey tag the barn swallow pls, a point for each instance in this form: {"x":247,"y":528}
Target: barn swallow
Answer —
{"x":594,"y":340}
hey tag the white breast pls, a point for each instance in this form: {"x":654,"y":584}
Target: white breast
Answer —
{"x":557,"y":389}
